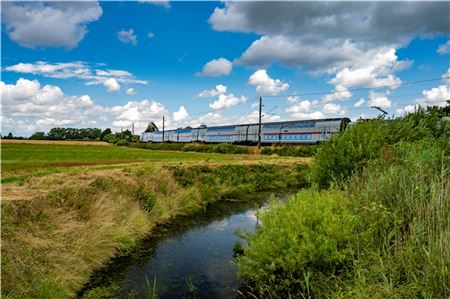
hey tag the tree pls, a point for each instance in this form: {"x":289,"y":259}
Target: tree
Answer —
{"x":10,"y":136}
{"x":38,"y":136}
{"x":107,"y":131}
{"x":151,"y":127}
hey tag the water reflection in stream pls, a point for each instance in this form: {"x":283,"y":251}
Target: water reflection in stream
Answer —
{"x":190,"y":258}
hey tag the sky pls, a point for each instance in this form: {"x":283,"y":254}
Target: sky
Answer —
{"x":114,"y":64}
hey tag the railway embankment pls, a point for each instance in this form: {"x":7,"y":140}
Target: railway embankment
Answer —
{"x":58,"y":228}
{"x":375,"y":224}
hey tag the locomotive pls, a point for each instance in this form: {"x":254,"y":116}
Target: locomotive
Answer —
{"x":297,"y":131}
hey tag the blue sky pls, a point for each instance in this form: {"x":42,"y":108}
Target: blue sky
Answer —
{"x":110,"y":64}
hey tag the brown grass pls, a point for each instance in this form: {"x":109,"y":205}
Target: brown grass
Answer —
{"x":59,"y":142}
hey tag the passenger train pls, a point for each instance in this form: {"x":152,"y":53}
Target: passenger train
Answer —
{"x":301,"y":131}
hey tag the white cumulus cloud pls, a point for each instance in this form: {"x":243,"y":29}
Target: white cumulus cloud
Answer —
{"x":306,"y":109}
{"x":111,"y":85}
{"x":48,"y":24}
{"x":226,"y":101}
{"x":379,"y":99}
{"x":110,"y":78}
{"x":437,"y":95}
{"x":301,"y":34}
{"x":180,"y":115}
{"x":218,"y":90}
{"x":266,"y":85}
{"x":31,"y":106}
{"x":216,"y":67}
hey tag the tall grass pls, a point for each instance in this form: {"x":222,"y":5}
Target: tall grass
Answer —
{"x":384,"y":226}
{"x":53,"y":241}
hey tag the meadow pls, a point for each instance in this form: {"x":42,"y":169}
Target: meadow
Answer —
{"x":21,"y":160}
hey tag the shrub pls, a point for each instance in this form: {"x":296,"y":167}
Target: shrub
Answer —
{"x":347,"y":153}
{"x":110,"y":138}
{"x":122,"y":142}
{"x":225,"y":148}
{"x":308,"y":236}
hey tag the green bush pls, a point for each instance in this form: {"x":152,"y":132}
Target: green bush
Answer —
{"x":308,"y":236}
{"x":122,"y":142}
{"x":110,"y":138}
{"x":348,"y":152}
{"x":225,"y":148}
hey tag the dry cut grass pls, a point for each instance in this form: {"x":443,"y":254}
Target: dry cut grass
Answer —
{"x":59,"y":142}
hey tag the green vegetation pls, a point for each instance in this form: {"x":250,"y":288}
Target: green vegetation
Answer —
{"x":380,"y":229}
{"x":290,"y":150}
{"x":23,"y":160}
{"x":61,"y":227}
{"x":221,"y":148}
{"x":293,"y":150}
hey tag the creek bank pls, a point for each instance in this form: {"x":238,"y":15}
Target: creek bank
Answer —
{"x":191,"y":256}
{"x":53,"y":242}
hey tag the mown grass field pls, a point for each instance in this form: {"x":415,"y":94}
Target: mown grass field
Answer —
{"x":21,"y":160}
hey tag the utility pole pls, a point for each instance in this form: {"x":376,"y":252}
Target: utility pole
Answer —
{"x":132,"y":128}
{"x":259,"y":130}
{"x":163,"y":130}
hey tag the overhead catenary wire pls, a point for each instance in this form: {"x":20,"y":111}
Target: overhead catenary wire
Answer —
{"x":357,"y":89}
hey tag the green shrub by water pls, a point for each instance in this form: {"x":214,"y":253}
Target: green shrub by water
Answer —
{"x":309,"y":235}
{"x":382,"y":232}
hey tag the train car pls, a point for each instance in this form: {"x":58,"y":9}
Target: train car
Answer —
{"x":220,"y":134}
{"x":301,"y":131}
{"x":199,"y":134}
{"x":304,"y":131}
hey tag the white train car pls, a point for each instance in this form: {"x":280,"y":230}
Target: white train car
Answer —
{"x":301,"y":131}
{"x":305,"y":131}
{"x":220,"y":134}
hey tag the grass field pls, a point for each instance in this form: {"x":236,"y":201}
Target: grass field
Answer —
{"x":21,"y":160}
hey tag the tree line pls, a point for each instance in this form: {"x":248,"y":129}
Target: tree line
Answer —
{"x":58,"y":133}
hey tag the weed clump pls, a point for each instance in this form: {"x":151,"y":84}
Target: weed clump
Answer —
{"x":145,"y":197}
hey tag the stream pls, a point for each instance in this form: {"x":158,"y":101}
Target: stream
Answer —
{"x":192,"y":257}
